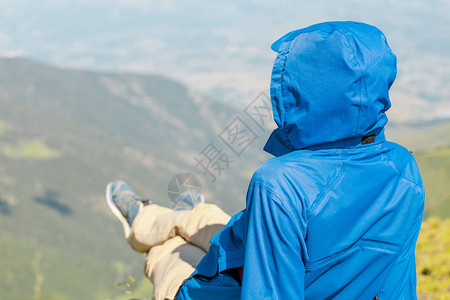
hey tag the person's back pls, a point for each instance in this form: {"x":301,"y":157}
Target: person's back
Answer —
{"x":360,"y":210}
{"x":336,"y":214}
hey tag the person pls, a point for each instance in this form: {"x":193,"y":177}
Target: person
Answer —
{"x":334,"y":215}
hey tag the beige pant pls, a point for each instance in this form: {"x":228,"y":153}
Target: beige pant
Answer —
{"x":175,"y":241}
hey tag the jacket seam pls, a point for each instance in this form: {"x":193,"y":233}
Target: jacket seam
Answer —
{"x":287,"y":209}
{"x":338,"y":171}
{"x":278,"y":200}
{"x":282,"y":85}
{"x":397,"y":169}
{"x":360,"y":244}
{"x":360,"y":81}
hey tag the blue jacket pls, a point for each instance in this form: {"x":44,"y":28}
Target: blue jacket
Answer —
{"x":336,"y":214}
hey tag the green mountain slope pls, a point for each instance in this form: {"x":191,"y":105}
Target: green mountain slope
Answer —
{"x":63,"y":136}
{"x":434,"y":167}
{"x":420,"y":137}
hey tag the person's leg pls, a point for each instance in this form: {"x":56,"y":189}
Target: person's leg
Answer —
{"x":169,"y":264}
{"x":155,"y":224}
{"x":175,"y":241}
{"x":146,"y":226}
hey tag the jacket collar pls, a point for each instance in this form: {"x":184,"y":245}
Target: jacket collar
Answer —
{"x":276,"y":145}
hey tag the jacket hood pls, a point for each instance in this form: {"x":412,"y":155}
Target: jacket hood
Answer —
{"x":330,"y":83}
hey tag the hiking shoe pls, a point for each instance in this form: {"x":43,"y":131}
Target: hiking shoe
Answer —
{"x":188,"y":200}
{"x":124,"y":203}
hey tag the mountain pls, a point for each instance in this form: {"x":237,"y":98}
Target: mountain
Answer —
{"x":64,"y":134}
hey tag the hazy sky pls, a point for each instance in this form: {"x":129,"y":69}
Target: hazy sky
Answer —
{"x":222,"y":48}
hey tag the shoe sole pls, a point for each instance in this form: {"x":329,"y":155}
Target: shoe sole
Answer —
{"x":116,"y":211}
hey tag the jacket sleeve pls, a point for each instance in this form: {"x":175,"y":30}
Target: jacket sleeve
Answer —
{"x":274,"y":247}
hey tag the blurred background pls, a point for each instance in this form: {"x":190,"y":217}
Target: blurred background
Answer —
{"x":91,"y":91}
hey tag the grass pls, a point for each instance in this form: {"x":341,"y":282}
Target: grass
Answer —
{"x":30,"y":149}
{"x":31,"y":270}
{"x":433,"y":260}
